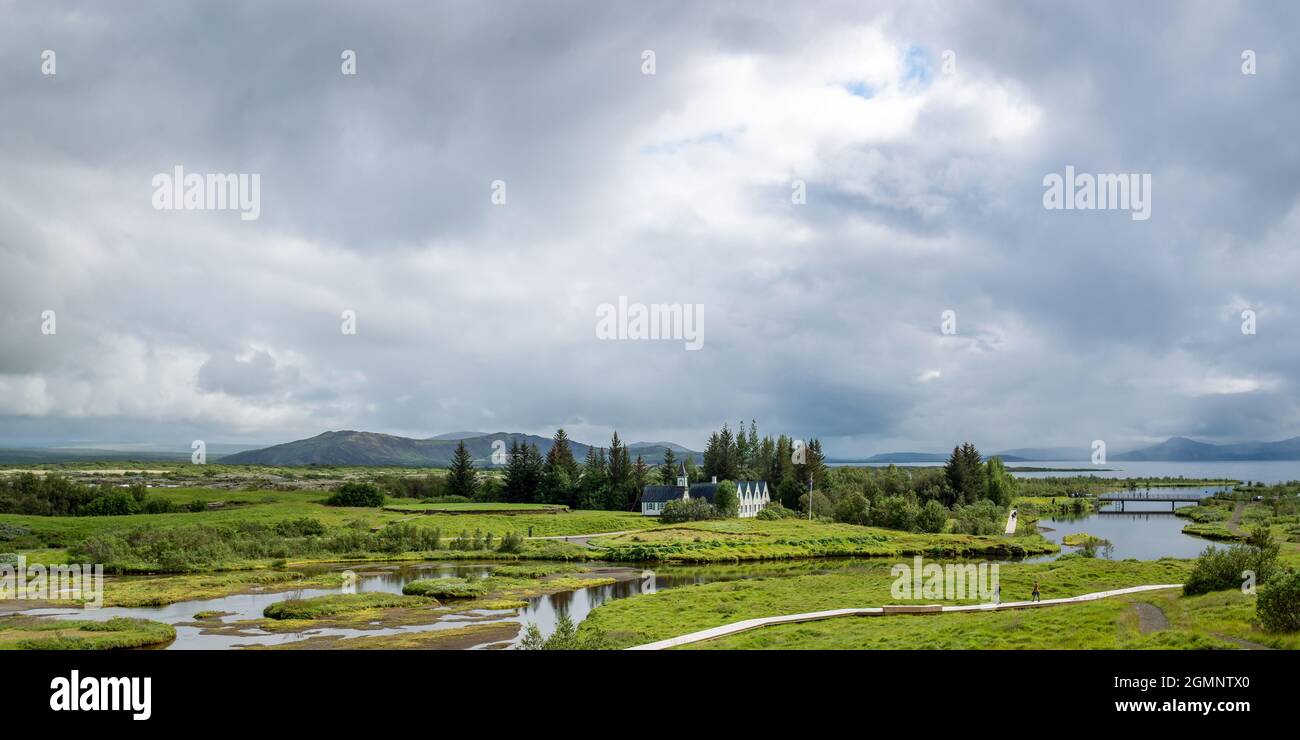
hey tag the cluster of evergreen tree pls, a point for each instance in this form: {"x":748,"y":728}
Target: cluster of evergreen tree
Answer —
{"x":787,"y":465}
{"x":608,"y":479}
{"x":968,"y":491}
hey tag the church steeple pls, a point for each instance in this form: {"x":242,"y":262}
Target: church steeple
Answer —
{"x":682,"y":480}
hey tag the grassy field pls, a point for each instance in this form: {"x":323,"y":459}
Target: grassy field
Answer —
{"x":137,"y":592}
{"x":1219,"y":620}
{"x":47,"y":633}
{"x":732,"y":540}
{"x":335,"y":604}
{"x":1101,"y":625}
{"x":677,"y":611}
{"x":420,"y":507}
{"x":49,"y":538}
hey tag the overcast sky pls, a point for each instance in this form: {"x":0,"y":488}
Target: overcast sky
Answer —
{"x":924,"y":194}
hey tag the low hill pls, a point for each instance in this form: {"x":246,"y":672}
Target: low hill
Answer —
{"x":371,"y":448}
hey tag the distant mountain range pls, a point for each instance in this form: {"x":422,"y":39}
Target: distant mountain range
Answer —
{"x":371,"y":448}
{"x":1182,"y":448}
{"x":1174,"y":449}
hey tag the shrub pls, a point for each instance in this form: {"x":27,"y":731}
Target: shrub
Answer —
{"x":692,"y":510}
{"x":984,"y":517}
{"x":118,"y":503}
{"x":774,"y":510}
{"x":356,"y":494}
{"x":895,"y":512}
{"x":513,"y":542}
{"x":1218,"y":570}
{"x":565,"y":637}
{"x":725,"y":500}
{"x":853,"y":508}
{"x":821,"y":505}
{"x":12,"y":531}
{"x":197,"y":548}
{"x":156,"y":505}
{"x":933,"y":517}
{"x":1278,"y":605}
{"x":1266,"y":550}
{"x":427,"y":487}
{"x":406,"y":537}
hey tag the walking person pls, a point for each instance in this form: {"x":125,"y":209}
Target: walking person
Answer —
{"x":1036,"y":596}
{"x":997,"y":594}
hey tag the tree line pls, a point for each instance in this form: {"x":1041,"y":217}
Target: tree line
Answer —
{"x":610,"y":478}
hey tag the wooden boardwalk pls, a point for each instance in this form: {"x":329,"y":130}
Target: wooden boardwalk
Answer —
{"x":876,"y":611}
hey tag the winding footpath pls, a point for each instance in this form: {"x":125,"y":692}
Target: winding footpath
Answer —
{"x":876,"y":611}
{"x":1234,"y":522}
{"x":580,"y":539}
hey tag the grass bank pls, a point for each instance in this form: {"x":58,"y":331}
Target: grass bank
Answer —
{"x":271,"y":508}
{"x":733,"y":540}
{"x":46,"y":633}
{"x":335,"y":604}
{"x":1221,"y":620}
{"x":673,"y":612}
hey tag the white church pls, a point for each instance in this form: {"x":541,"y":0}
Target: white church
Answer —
{"x":752,"y":495}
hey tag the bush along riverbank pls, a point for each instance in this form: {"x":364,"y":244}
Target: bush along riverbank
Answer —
{"x":733,"y":540}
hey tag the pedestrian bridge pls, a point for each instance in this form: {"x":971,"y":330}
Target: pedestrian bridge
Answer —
{"x":1173,"y":498}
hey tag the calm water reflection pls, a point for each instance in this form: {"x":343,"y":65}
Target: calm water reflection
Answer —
{"x":545,"y":611}
{"x":1145,"y":530}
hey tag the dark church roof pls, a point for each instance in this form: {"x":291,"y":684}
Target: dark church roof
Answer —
{"x":654,"y":494}
{"x":704,"y":491}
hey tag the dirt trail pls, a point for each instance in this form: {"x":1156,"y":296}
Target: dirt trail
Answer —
{"x":1151,"y":618}
{"x":580,"y":539}
{"x":1245,"y":644}
{"x":1234,"y":522}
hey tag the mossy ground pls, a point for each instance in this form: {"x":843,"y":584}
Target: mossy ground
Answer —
{"x":1222,"y":620}
{"x":677,"y":611}
{"x":47,"y":633}
{"x":732,"y":540}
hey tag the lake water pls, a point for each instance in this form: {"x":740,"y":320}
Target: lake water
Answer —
{"x":1267,"y":471}
{"x":1143,"y":530}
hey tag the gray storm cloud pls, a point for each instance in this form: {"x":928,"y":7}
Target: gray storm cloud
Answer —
{"x":924,"y":194}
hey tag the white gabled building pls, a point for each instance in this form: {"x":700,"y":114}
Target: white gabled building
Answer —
{"x":751,"y":495}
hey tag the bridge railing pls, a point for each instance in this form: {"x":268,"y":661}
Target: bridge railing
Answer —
{"x":1152,"y":497}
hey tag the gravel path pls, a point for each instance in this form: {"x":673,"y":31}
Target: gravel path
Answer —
{"x":1245,"y":644}
{"x":580,"y":539}
{"x":1234,"y":522}
{"x":1151,"y":618}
